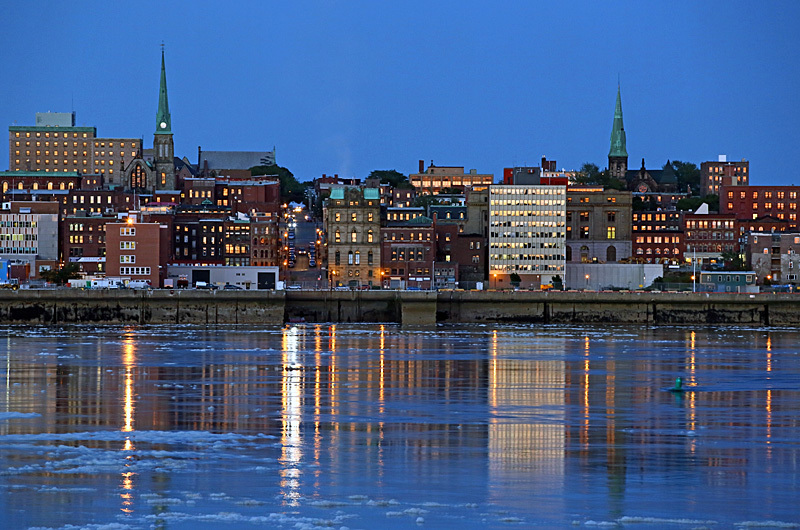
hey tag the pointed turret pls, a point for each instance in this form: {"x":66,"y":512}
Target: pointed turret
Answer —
{"x":617,"y":131}
{"x":618,"y":154}
{"x":164,"y":156}
{"x":163,"y":119}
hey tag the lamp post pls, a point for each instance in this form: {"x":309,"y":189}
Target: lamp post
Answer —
{"x":494,"y":274}
{"x":587,"y":282}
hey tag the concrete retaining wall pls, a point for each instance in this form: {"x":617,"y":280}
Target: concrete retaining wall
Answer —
{"x":410,"y":308}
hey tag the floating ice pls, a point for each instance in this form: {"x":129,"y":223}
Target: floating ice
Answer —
{"x":13,"y":415}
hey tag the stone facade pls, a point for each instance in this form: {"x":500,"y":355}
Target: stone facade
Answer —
{"x":353,"y":222}
{"x":598,"y":225}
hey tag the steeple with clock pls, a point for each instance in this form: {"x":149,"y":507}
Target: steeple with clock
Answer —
{"x":163,"y":147}
{"x":618,"y":154}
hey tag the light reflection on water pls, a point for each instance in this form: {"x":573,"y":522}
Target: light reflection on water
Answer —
{"x":346,"y":424}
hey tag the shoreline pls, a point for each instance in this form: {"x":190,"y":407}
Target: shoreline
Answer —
{"x":164,"y":306}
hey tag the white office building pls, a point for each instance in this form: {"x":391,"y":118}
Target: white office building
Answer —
{"x":527,"y":234}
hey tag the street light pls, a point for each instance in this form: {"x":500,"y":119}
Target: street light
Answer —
{"x":587,"y":282}
{"x":495,"y":280}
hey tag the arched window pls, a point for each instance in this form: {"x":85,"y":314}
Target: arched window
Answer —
{"x":350,"y":257}
{"x":611,"y":254}
{"x":5,"y":186}
{"x":36,"y":185}
{"x":337,"y":237}
{"x":369,"y":236}
{"x":369,"y":258}
{"x":49,"y":185}
{"x":353,"y":236}
{"x":584,"y":254}
{"x":358,"y":257}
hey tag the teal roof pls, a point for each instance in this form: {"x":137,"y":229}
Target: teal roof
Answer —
{"x":337,"y":193}
{"x":371,"y":193}
{"x":12,"y":174}
{"x":618,"y":131}
{"x":420,"y":220}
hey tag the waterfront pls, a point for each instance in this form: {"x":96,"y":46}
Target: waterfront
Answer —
{"x":365,"y":426}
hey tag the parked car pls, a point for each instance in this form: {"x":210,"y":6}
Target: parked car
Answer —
{"x":232,"y":287}
{"x":139,"y":284}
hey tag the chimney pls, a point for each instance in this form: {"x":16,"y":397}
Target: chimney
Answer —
{"x":422,"y":166}
{"x":199,"y":150}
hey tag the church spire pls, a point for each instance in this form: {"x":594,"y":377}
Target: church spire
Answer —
{"x":163,"y":119}
{"x":617,"y":131}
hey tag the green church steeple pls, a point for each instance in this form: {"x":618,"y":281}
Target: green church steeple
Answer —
{"x":617,"y":131}
{"x":163,"y":119}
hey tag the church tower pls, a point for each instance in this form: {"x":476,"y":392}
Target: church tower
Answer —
{"x":163,"y":147}
{"x":618,"y":155}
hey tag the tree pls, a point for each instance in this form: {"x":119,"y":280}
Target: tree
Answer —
{"x":515,"y":279}
{"x":558,"y":283}
{"x":688,"y":174}
{"x":291,"y":190}
{"x":732,"y":260}
{"x":591,"y":175}
{"x":693,"y":203}
{"x":391,"y":177}
{"x":425,"y":201}
{"x":62,"y":275}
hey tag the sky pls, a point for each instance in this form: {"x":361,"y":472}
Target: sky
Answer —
{"x":347,"y":87}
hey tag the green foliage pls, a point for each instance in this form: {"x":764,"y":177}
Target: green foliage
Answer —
{"x":693,"y":203}
{"x":515,"y":279}
{"x":291,"y":190}
{"x":392,"y":177}
{"x":732,"y":261}
{"x":590,"y":175}
{"x":558,"y":283}
{"x":688,"y":174}
{"x":425,"y":201}
{"x":62,"y":275}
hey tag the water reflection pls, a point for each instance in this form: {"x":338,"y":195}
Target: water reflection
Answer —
{"x":129,"y":404}
{"x":575,"y":418}
{"x":291,"y":417}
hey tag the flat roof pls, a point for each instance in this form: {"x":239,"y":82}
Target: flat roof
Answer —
{"x":49,"y":128}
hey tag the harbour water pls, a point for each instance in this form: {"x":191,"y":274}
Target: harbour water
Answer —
{"x":377,"y":426}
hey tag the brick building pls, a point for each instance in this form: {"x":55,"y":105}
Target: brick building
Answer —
{"x":658,"y":236}
{"x":715,"y":175}
{"x":135,"y":250}
{"x":407,"y":253}
{"x":709,"y":235}
{"x":755,"y":202}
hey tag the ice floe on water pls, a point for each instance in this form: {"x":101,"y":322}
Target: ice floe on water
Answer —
{"x":14,"y":415}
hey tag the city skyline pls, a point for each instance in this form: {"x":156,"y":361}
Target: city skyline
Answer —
{"x":350,"y":89}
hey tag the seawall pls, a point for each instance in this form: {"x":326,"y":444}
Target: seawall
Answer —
{"x":412,"y":308}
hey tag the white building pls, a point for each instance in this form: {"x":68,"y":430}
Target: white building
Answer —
{"x":527,"y":233}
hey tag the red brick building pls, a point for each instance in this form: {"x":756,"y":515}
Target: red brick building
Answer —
{"x":658,"y":236}
{"x":407,"y":254}
{"x":135,"y":250}
{"x":715,"y":175}
{"x":709,"y":235}
{"x":754,"y":202}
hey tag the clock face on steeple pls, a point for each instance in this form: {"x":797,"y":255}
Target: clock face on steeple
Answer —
{"x":163,"y":125}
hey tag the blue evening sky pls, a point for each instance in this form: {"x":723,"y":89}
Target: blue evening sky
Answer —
{"x":348,"y":87}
